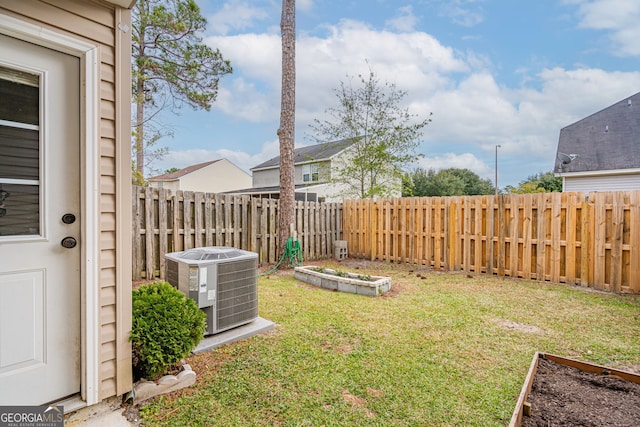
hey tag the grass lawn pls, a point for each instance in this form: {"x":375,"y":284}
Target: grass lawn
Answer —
{"x":441,"y":349}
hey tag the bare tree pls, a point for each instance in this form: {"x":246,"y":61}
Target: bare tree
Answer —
{"x":386,"y":136}
{"x":286,"y":132}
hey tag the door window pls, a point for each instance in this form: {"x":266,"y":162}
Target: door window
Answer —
{"x":19,"y":153}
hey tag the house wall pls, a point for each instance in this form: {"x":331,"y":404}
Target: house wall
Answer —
{"x":218,"y":177}
{"x":588,"y":184}
{"x":168,"y":185}
{"x":266,"y":178}
{"x":96,"y":22}
{"x":324,"y":172}
{"x":323,"y":188}
{"x":328,"y":192}
{"x":271,"y":177}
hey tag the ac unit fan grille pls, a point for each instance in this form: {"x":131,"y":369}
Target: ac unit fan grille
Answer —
{"x":171,"y":272}
{"x":237,"y":300}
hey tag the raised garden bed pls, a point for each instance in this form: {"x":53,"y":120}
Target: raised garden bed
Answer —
{"x":566,"y":392}
{"x":335,"y":280}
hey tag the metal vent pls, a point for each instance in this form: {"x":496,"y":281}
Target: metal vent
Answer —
{"x":237,"y":293}
{"x":171,"y":272}
{"x":211,"y":253}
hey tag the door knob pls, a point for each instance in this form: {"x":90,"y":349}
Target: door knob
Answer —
{"x":69,"y":242}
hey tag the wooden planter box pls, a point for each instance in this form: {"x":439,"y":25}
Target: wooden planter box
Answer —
{"x":351,"y":282}
{"x":523,"y":408}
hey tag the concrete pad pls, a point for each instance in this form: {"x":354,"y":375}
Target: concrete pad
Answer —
{"x":108,"y":413}
{"x":256,"y":327}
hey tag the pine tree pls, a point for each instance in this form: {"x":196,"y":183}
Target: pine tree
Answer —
{"x":286,"y":132}
{"x":171,"y":67}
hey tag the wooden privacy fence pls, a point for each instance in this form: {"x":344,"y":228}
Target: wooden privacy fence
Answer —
{"x":591,"y":240}
{"x":164,"y":222}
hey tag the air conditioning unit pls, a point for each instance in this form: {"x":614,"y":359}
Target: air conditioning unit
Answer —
{"x":221,"y":280}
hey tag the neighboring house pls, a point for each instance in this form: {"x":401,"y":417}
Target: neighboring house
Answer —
{"x":312,"y":176}
{"x":602,"y":152}
{"x":65,"y":173}
{"x":217,"y":176}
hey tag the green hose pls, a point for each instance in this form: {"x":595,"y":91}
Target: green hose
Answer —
{"x":292,"y":255}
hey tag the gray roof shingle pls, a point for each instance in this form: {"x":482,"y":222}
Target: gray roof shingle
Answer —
{"x":606,"y":140}
{"x":317,"y":152}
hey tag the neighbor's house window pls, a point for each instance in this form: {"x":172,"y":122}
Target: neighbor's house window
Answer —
{"x":310,"y":173}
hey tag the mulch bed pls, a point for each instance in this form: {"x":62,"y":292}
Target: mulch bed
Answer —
{"x":566,"y":396}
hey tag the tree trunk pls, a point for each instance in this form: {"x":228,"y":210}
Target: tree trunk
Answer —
{"x":286,"y":132}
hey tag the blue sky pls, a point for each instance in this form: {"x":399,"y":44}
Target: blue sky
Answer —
{"x":492,"y":72}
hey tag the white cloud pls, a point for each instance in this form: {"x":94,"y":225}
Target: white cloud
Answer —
{"x":462,"y":12}
{"x":235,"y":15}
{"x":471,"y":112}
{"x":459,"y":161}
{"x":245,"y":161}
{"x":621,"y":17}
{"x":415,"y":61}
{"x":404,"y":21}
{"x":479,"y":114}
{"x":241,"y":99}
{"x":304,"y":5}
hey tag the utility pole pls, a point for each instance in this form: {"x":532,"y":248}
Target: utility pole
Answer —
{"x":497,"y":146}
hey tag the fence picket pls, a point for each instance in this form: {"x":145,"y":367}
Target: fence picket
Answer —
{"x":149,"y":234}
{"x":163,"y":234}
{"x":634,"y":247}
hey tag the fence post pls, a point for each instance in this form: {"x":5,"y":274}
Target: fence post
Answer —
{"x":453,"y":212}
{"x":137,"y":235}
{"x":586,"y":248}
{"x":556,"y":224}
{"x":634,"y":241}
{"x":600,"y":237}
{"x":162,"y":230}
{"x":617,"y":230}
{"x":148,"y":234}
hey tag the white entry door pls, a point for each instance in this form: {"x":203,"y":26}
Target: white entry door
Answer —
{"x":39,"y":224}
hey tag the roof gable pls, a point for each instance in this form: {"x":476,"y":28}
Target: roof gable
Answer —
{"x":182,"y":172}
{"x":319,"y":152}
{"x":606,"y":140}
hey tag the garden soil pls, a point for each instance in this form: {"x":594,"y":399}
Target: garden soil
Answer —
{"x":565,"y":396}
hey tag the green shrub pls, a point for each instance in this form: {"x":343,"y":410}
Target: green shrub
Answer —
{"x":166,"y":327}
{"x":340,"y":273}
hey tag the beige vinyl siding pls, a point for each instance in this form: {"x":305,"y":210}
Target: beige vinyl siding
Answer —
{"x":95,"y":21}
{"x":217,"y":177}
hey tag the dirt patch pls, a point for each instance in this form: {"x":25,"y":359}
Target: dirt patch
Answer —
{"x":520,"y":327}
{"x":344,"y":346}
{"x":565,"y":396}
{"x":358,"y":403}
{"x":373,"y":392}
{"x":132,"y":414}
